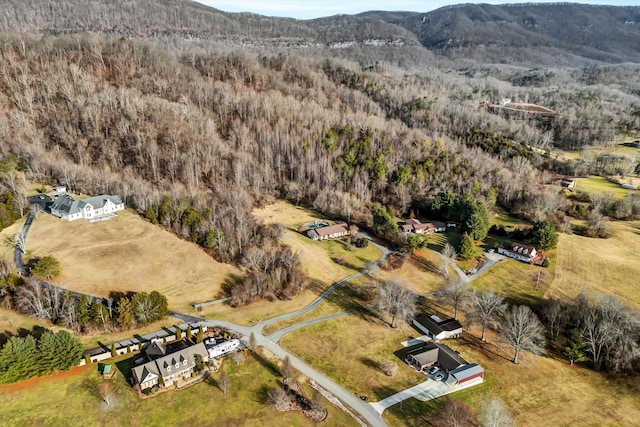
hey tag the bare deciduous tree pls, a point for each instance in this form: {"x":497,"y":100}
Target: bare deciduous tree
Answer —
{"x":556,"y":315}
{"x":485,"y":307}
{"x":105,"y":391}
{"x":522,"y":329}
{"x":287,"y":369}
{"x":454,"y":413}
{"x":396,"y":301}
{"x":455,"y":295}
{"x":448,"y":259}
{"x":493,"y":413}
{"x":277,"y":396}
{"x":609,"y":330}
{"x":224,"y":382}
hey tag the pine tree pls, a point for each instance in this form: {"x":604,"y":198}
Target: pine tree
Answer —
{"x":200,"y":337}
{"x":178,"y":334}
{"x":114,"y":352}
{"x":544,"y":235}
{"x":467,"y":247}
{"x":189,"y":333}
{"x":575,"y":348}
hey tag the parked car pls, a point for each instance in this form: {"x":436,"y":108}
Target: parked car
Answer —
{"x":433,"y":369}
{"x":439,"y":376}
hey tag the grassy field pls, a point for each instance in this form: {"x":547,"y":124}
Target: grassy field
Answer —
{"x":127,"y":254}
{"x":62,"y":400}
{"x":318,"y":258}
{"x":419,"y":272}
{"x":518,"y":281}
{"x":608,"y":266}
{"x":598,"y":184}
{"x":351,"y":349}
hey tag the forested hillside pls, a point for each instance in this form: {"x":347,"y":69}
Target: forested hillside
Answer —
{"x":530,"y":34}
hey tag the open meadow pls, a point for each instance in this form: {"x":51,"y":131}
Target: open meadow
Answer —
{"x":62,"y":399}
{"x":598,"y":184}
{"x":608,"y":266}
{"x":318,"y":258}
{"x":352,"y":349}
{"x":125,"y":254}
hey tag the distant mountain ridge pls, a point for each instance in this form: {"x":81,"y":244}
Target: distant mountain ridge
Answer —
{"x":524,"y":34}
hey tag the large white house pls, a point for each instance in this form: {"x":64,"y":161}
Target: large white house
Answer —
{"x":94,"y":208}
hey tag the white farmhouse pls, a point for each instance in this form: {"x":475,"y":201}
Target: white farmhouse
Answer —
{"x":96,"y":208}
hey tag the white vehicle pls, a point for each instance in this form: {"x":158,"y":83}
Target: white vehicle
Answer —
{"x":223,"y":348}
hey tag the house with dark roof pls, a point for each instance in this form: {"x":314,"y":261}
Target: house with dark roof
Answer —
{"x":447,"y":359}
{"x":437,"y":328}
{"x":168,"y":367}
{"x":334,"y":231}
{"x":520,"y":252}
{"x":415,"y":226}
{"x":96,"y":208}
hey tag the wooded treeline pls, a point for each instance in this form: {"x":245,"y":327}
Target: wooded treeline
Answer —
{"x":195,"y":141}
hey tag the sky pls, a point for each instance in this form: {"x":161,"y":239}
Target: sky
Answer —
{"x":309,"y":9}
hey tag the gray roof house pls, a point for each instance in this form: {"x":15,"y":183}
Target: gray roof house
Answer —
{"x":96,"y":208}
{"x":426,"y":356}
{"x":170,"y":367}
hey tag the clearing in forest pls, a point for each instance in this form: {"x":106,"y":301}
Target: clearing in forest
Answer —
{"x":125,"y":254}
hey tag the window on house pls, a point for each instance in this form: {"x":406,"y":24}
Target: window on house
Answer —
{"x":168,"y":368}
{"x":184,"y":363}
{"x":177,"y":365}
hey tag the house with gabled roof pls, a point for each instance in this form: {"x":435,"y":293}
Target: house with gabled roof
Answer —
{"x":170,"y":366}
{"x":413,"y":225}
{"x":436,"y":328}
{"x":432,"y":353}
{"x":96,"y":208}
{"x":520,"y":252}
{"x":339,"y":229}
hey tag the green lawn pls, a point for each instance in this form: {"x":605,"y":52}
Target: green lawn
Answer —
{"x":62,"y":400}
{"x":518,"y":281}
{"x":598,"y":184}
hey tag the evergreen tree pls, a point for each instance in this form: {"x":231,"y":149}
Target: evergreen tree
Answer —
{"x":200,"y":336}
{"x":189,"y":333}
{"x":82,"y":310}
{"x":467,"y":247}
{"x":477,"y":221}
{"x":114,"y":352}
{"x":575,"y":348}
{"x":544,"y":235}
{"x":126,"y":317}
{"x":18,"y":359}
{"x":46,"y":267}
{"x":178,"y":334}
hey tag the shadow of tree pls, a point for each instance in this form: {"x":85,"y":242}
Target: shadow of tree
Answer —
{"x":266,"y":363}
{"x":426,"y":265}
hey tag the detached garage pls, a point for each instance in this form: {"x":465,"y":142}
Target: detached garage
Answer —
{"x":467,"y":373}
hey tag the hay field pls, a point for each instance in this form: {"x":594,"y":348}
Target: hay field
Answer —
{"x":127,"y":253}
{"x":608,"y":266}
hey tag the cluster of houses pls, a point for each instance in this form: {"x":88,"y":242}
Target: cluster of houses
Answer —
{"x":458,"y":371}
